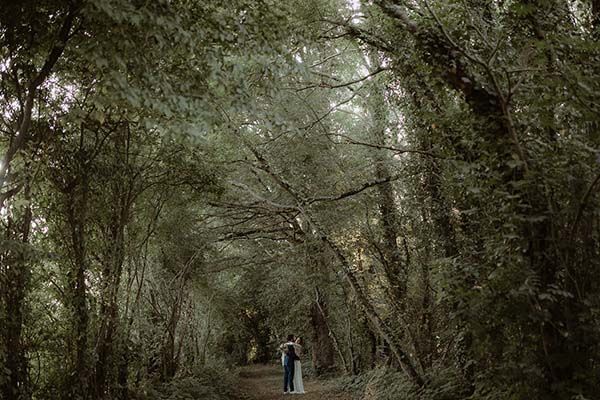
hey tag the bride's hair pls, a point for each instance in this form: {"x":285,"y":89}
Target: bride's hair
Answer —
{"x":300,"y":341}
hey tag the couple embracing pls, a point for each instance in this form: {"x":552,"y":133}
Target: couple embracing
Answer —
{"x":292,"y":368}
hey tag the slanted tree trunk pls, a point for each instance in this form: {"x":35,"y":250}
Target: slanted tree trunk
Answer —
{"x":400,"y":354}
{"x":363,"y":301}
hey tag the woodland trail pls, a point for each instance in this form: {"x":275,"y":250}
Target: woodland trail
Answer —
{"x":264,"y":382}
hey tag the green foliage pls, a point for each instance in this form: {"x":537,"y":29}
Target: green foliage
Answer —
{"x":386,"y":384}
{"x":183,"y":183}
{"x":205,"y":383}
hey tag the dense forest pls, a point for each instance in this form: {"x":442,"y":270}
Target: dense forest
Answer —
{"x":410,"y":185}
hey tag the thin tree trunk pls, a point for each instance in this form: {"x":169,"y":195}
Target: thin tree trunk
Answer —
{"x":353,"y":359}
{"x":76,"y":217}
{"x":15,"y":375}
{"x":324,"y":340}
{"x":207,"y":334}
{"x":113,"y":260}
{"x":109,"y":312}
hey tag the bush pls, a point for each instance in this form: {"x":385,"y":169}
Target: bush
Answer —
{"x":388,"y":384}
{"x":213,"y":383}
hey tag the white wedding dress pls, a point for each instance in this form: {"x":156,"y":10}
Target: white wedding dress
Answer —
{"x":298,"y":384}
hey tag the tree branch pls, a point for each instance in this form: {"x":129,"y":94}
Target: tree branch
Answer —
{"x":583,"y":204}
{"x":346,"y":84}
{"x":354,"y":191}
{"x":22,"y":135}
{"x":391,"y":148}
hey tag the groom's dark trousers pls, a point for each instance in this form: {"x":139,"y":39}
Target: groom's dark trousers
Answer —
{"x":288,"y":370}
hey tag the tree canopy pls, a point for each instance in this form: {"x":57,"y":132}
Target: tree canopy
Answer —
{"x":410,"y":185}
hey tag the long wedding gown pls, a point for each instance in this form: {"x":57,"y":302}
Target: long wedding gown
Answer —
{"x":298,"y":384}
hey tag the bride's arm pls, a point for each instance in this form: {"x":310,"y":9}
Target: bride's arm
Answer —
{"x":298,"y":349}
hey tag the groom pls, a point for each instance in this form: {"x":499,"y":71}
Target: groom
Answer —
{"x":288,"y":356}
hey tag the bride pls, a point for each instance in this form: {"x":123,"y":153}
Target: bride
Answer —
{"x":298,"y":384}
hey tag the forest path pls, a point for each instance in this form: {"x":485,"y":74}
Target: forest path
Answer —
{"x":265,"y":382}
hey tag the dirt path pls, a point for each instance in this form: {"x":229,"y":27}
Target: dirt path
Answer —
{"x":260,"y":382}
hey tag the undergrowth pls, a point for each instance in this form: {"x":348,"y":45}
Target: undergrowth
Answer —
{"x":388,"y":384}
{"x":211,"y":383}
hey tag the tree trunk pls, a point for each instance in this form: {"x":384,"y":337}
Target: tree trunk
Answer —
{"x":386,"y":333}
{"x":323,"y":348}
{"x":14,"y":382}
{"x":113,"y":259}
{"x":596,"y":17}
{"x":370,"y":312}
{"x":169,"y":360}
{"x":76,"y":212}
{"x":392,"y":258}
{"x":123,"y":375}
{"x":492,"y":109}
{"x":109,"y":311}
